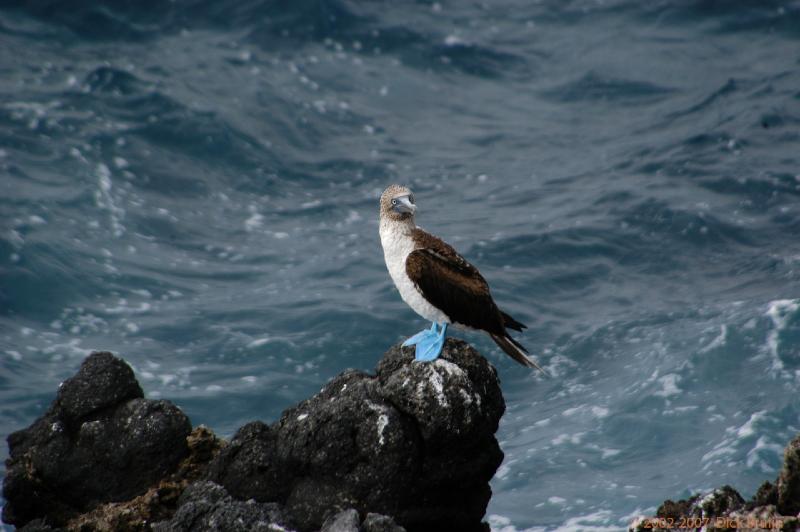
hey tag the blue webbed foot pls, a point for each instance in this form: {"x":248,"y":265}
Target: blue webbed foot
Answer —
{"x":429,"y":343}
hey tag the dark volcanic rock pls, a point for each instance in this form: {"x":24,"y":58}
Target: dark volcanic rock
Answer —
{"x":775,"y":505}
{"x":719,"y":502}
{"x":788,"y":484}
{"x":344,"y":521}
{"x":248,"y":466}
{"x":207,"y":506}
{"x":380,"y":523}
{"x":160,"y":502}
{"x":767,"y":494}
{"x":99,"y":441}
{"x":38,"y":525}
{"x":102,"y":382}
{"x":348,"y":521}
{"x":415,"y":442}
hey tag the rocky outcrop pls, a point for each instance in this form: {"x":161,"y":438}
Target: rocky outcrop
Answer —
{"x":100,"y":441}
{"x":161,"y":501}
{"x":775,"y":506}
{"x":412,"y":446}
{"x":207,"y":506}
{"x":416,"y":442}
{"x":787,"y":486}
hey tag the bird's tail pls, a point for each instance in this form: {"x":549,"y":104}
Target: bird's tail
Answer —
{"x":515,"y":350}
{"x":511,"y":323}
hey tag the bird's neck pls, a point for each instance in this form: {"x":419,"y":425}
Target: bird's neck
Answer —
{"x":398,"y":226}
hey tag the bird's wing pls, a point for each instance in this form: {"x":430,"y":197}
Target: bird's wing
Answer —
{"x":452,"y":284}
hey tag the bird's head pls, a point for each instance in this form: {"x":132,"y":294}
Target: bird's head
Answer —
{"x":397,"y":203}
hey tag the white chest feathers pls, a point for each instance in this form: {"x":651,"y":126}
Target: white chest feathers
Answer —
{"x":397,"y":244}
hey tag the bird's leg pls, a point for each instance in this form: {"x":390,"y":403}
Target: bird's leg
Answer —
{"x":429,"y":342}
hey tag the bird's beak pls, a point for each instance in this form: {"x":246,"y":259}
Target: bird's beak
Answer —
{"x":404,"y":205}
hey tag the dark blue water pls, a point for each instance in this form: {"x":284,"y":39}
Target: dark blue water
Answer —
{"x":193,"y":185}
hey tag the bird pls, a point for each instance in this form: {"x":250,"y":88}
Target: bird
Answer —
{"x":438,"y":283}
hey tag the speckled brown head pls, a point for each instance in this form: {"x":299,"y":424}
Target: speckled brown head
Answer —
{"x":397,"y":203}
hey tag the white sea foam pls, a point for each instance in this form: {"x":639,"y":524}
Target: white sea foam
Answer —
{"x":762,"y":451}
{"x":15,"y":238}
{"x":574,"y":439}
{"x":718,"y":341}
{"x":669,"y":385}
{"x":453,"y":40}
{"x":255,"y":221}
{"x":609,"y":453}
{"x":104,"y":199}
{"x":500,"y":523}
{"x":592,"y":411}
{"x":737,"y":437}
{"x":71,"y":348}
{"x":258,"y":342}
{"x":598,"y":521}
{"x":311,"y":204}
{"x":123,"y":307}
{"x":542,"y":422}
{"x":504,"y":469}
{"x":779,"y":312}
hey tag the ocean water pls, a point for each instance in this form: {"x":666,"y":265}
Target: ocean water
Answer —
{"x":193,"y":186}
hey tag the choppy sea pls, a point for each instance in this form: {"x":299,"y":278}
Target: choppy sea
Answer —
{"x":193,"y":185}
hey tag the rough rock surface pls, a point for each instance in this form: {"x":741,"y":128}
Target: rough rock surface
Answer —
{"x":775,"y":506}
{"x":416,"y":442}
{"x":718,"y":502}
{"x":413,"y":444}
{"x":99,"y":441}
{"x":788,"y":483}
{"x":344,"y":521}
{"x":159,"y":502}
{"x":207,"y":506}
{"x":380,"y":523}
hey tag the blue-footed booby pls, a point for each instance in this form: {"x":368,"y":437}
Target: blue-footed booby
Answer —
{"x":438,"y":283}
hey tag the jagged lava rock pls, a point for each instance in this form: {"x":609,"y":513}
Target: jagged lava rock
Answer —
{"x":348,"y":521}
{"x":344,"y":521}
{"x":207,"y":506}
{"x":99,"y":441}
{"x":716,"y":503}
{"x":415,"y":442}
{"x":774,"y":506}
{"x":160,"y":502}
{"x":788,"y":483}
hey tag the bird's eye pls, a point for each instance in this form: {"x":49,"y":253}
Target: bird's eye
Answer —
{"x":394,"y":202}
{"x":411,"y":199}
